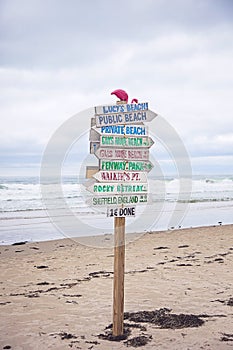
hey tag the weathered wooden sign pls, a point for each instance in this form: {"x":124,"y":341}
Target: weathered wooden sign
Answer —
{"x":94,"y":145}
{"x":122,"y":153}
{"x":124,"y":130}
{"x":123,"y":141}
{"x":124,"y":118}
{"x":144,"y":166}
{"x":90,"y":171}
{"x":94,"y":135}
{"x":117,"y":188}
{"x":117,"y":200}
{"x":121,"y":212}
{"x":120,"y":176}
{"x":121,"y":108}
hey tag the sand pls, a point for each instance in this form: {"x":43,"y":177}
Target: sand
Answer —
{"x":58,"y":294}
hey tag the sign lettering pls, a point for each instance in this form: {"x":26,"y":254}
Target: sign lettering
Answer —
{"x":118,"y":200}
{"x":124,"y":118}
{"x":121,"y":108}
{"x":126,"y":165}
{"x":121,"y":212}
{"x":121,"y":141}
{"x":117,"y":188}
{"x":120,"y":176}
{"x":123,"y":154}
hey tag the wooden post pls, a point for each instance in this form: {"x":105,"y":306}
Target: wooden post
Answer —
{"x":119,"y":271}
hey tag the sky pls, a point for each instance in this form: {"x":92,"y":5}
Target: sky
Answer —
{"x":60,"y":57}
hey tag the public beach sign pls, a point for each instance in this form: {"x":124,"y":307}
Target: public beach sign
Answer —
{"x":124,"y":118}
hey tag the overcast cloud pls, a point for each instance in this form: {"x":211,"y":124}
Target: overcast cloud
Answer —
{"x":60,"y":57}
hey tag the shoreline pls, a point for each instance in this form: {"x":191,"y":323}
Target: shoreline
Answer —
{"x":58,"y":294}
{"x":105,"y":240}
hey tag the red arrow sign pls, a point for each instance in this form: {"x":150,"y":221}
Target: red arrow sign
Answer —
{"x":122,"y":154}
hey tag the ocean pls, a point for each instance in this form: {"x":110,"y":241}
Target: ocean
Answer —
{"x":24,"y":216}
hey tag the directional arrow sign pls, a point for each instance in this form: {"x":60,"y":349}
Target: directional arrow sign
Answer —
{"x":128,"y":130}
{"x":94,"y":135}
{"x":124,"y":118}
{"x":94,"y":145}
{"x":120,"y":176}
{"x":123,"y":154}
{"x":122,"y":108}
{"x":90,"y":171}
{"x":126,"y":165}
{"x":120,"y":188}
{"x":122,"y":141}
{"x":103,"y":200}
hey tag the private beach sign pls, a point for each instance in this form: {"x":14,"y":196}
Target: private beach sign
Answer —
{"x":120,"y":141}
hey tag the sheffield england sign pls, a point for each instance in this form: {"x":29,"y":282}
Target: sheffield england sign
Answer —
{"x":117,"y":200}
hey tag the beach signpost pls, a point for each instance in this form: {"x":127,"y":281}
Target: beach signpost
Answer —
{"x":120,"y":141}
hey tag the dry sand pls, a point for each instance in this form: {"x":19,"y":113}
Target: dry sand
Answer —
{"x":58,"y":294}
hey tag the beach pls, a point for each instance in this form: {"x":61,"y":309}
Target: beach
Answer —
{"x":58,"y":294}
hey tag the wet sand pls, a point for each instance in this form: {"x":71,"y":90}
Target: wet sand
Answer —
{"x":58,"y":294}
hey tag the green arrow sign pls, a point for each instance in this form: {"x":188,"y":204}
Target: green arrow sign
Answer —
{"x":144,"y":166}
{"x":121,"y":141}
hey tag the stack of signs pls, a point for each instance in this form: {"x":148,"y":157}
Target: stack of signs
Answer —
{"x":120,"y":141}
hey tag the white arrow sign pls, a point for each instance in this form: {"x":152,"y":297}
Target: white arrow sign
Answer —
{"x":122,"y":154}
{"x":103,"y":200}
{"x":122,"y":108}
{"x":121,"y":212}
{"x":123,"y":130}
{"x":122,"y":141}
{"x":124,"y":118}
{"x":126,"y":165}
{"x":120,"y":188}
{"x":120,"y":176}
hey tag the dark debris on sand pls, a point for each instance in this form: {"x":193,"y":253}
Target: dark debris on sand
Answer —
{"x":19,"y":243}
{"x":230,"y":302}
{"x":226,"y":302}
{"x":109,"y":336}
{"x":163,"y":318}
{"x":138,"y":341}
{"x":227,"y":337}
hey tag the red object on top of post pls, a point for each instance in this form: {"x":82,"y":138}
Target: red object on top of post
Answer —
{"x":121,"y":94}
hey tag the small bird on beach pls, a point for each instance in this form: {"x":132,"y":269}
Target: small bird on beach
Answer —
{"x":123,"y":96}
